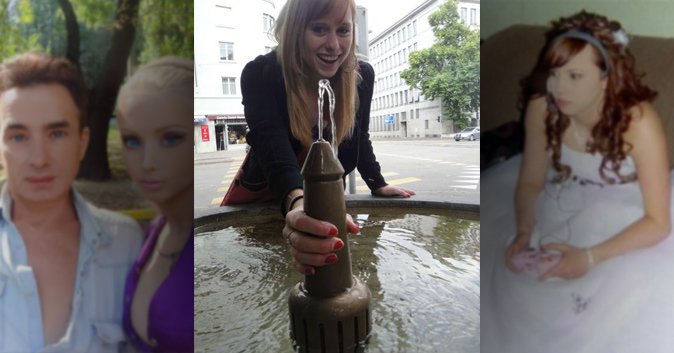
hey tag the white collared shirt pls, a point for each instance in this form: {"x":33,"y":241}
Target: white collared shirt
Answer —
{"x":109,"y":244}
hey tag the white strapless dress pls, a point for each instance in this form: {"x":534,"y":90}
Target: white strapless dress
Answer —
{"x":625,"y":304}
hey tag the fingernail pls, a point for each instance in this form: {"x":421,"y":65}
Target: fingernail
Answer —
{"x":338,"y":245}
{"x":334,"y":231}
{"x":310,"y":271}
{"x":332,"y":258}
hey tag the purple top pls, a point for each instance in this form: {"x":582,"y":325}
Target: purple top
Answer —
{"x":171,"y":315}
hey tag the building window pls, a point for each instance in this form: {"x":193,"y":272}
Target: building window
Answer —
{"x":426,"y":124}
{"x":394,"y":39}
{"x":415,"y":46}
{"x":414,"y":25}
{"x":228,"y":86}
{"x":399,"y":39}
{"x":267,"y":50}
{"x":417,"y":113}
{"x":223,"y":15}
{"x":409,"y":30}
{"x":405,"y":54}
{"x":404,"y":34}
{"x":473,"y":16}
{"x":226,"y":51}
{"x":463,"y":14}
{"x":267,"y":22}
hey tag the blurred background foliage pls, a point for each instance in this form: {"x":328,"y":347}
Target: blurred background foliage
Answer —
{"x":108,"y":40}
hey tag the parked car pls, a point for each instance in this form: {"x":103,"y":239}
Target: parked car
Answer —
{"x":471,"y":133}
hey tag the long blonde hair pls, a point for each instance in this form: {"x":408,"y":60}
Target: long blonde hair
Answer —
{"x":165,"y":73}
{"x":289,"y":32}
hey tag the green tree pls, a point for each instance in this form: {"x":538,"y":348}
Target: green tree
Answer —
{"x":14,"y":19}
{"x":167,"y":28}
{"x":450,"y":68}
{"x":103,"y":94}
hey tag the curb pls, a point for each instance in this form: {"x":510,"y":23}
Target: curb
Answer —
{"x":212,"y":161}
{"x":205,"y":218}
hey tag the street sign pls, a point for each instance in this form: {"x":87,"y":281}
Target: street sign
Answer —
{"x":389,"y":120}
{"x":204,"y":133}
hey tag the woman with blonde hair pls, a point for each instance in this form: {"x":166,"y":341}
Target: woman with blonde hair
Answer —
{"x":584,"y":261}
{"x":154,"y":108}
{"x":316,"y":40}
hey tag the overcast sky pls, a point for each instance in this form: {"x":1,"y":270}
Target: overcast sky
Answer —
{"x":381,"y":14}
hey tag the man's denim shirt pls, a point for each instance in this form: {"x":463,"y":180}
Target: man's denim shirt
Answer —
{"x":109,"y":243}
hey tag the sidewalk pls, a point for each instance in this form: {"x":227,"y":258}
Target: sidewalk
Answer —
{"x":384,"y":139}
{"x":219,"y":156}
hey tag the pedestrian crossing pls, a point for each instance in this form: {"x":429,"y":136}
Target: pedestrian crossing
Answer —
{"x":227,"y":180}
{"x":469,"y":178}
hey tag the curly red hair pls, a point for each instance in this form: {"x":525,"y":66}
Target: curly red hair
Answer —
{"x":623,"y":91}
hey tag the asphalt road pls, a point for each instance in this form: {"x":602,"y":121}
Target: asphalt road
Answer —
{"x":427,"y":166}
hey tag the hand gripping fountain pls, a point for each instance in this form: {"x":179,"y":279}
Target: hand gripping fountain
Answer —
{"x":329,"y":310}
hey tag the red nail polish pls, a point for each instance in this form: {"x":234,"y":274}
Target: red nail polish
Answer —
{"x":334,"y":231}
{"x":332,"y":258}
{"x":338,"y":245}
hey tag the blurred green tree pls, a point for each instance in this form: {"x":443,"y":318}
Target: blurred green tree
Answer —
{"x":106,"y":40}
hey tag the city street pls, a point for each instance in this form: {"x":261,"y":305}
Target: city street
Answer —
{"x":428,"y":166}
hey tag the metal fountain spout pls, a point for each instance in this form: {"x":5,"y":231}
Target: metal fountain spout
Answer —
{"x":329,"y":310}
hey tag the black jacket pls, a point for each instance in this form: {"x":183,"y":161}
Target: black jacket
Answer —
{"x":274,"y":149}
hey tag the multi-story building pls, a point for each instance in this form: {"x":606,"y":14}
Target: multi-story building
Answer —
{"x":397,"y":110}
{"x":229,"y":34}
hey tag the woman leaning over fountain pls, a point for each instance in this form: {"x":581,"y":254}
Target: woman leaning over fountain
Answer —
{"x":280,"y":97}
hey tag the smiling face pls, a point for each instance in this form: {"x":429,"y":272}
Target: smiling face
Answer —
{"x":577,"y":86}
{"x":327,"y":42}
{"x":156,"y":132}
{"x":42,"y":145}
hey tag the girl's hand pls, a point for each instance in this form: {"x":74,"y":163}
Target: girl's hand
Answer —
{"x":309,"y":251}
{"x":518,"y":245}
{"x":390,"y":190}
{"x":573,"y":264}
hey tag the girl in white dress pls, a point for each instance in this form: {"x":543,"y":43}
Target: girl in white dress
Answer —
{"x":584,"y":262}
